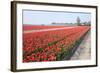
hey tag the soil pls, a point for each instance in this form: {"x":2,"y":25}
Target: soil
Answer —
{"x":83,"y":52}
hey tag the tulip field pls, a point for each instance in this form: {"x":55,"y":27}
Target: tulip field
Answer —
{"x":36,"y":27}
{"x":51,"y":45}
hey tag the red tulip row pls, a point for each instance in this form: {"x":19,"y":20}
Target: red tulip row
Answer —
{"x":47,"y":46}
{"x":37,"y":27}
{"x":33,"y":41}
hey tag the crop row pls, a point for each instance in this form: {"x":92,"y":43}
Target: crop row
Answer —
{"x":38,"y":27}
{"x":50,"y":45}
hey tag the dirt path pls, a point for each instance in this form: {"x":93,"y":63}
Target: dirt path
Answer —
{"x":84,"y":49}
{"x":30,"y":31}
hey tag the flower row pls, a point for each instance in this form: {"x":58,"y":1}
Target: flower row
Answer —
{"x":50,"y":45}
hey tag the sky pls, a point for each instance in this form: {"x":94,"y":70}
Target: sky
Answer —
{"x":48,"y":17}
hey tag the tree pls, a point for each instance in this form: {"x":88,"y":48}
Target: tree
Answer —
{"x":78,"y":21}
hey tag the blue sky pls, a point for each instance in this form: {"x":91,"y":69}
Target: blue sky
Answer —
{"x":47,"y":17}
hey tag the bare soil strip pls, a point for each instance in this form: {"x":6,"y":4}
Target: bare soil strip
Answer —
{"x":83,"y":52}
